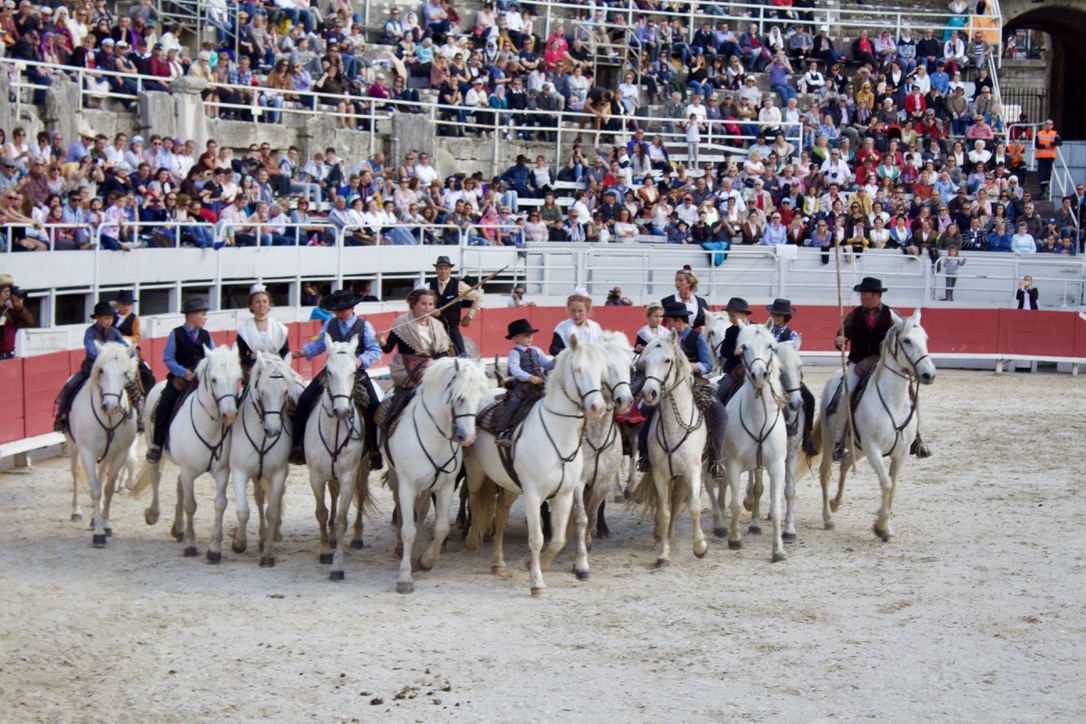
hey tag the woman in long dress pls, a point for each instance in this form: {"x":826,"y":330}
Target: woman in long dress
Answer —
{"x":579,"y":307}
{"x":261,"y":333}
{"x":418,"y":339}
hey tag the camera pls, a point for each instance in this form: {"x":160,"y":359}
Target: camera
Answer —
{"x":614,"y":295}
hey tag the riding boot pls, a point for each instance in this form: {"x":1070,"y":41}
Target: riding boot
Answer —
{"x":643,"y":464}
{"x":301,"y":417}
{"x":64,"y":401}
{"x":370,"y":417}
{"x":718,"y":418}
{"x":163,"y":413}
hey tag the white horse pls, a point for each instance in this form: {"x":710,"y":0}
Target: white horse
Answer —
{"x":260,"y":444}
{"x":547,"y":462}
{"x":602,"y":438}
{"x":716,"y":326}
{"x":886,"y":418}
{"x":425,"y":456}
{"x":755,"y":436}
{"x":335,"y":451}
{"x":677,"y":434}
{"x":101,"y":429}
{"x":791,"y":376}
{"x":198,"y":440}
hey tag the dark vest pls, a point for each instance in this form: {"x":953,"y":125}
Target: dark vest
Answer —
{"x":451,"y":316}
{"x":698,"y":321}
{"x":188,"y":353}
{"x":784,"y":334}
{"x":690,"y":346}
{"x":354,"y":332}
{"x":125,"y":325}
{"x":727,"y":349}
{"x":528,"y":363}
{"x":103,"y":336}
{"x":864,"y":342}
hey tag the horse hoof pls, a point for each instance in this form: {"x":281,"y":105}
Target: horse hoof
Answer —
{"x":332,"y":543}
{"x":778,"y":557}
{"x":191,"y":552}
{"x":150,"y":517}
{"x":582,"y":575}
{"x":326,"y":559}
{"x":99,"y":541}
{"x":267,"y":563}
{"x":735,"y":544}
{"x":720,"y":532}
{"x":405,"y":587}
{"x":278,"y":538}
{"x":620,"y":497}
{"x":357,"y":544}
{"x":77,"y":517}
{"x":788,"y":537}
{"x":829,"y":525}
{"x":336,"y":576}
{"x":238,"y":547}
{"x":498,"y":570}
{"x":755,"y":530}
{"x":109,"y":532}
{"x":662,"y":563}
{"x":538,"y":592}
{"x":834,"y":505}
{"x":747,"y":505}
{"x":212,"y":556}
{"x":884,"y":535}
{"x":703,"y":553}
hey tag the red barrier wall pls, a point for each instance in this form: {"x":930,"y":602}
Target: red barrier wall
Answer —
{"x":29,"y":386}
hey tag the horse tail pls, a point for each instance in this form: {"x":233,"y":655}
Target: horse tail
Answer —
{"x":807,"y":463}
{"x":142,"y":479}
{"x":680,"y":493}
{"x":483,"y":504}
{"x":643,"y":493}
{"x":364,"y":500}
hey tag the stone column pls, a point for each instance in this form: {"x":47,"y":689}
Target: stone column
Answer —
{"x":62,"y":109}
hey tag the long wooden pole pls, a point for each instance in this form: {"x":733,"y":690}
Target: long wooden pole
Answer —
{"x":847,"y":402}
{"x":460,"y":298}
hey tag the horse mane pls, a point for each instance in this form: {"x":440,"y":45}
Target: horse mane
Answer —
{"x":682,"y":364}
{"x":109,"y":352}
{"x":774,"y":378}
{"x":616,"y":342}
{"x":462,"y":384}
{"x":565,"y":359}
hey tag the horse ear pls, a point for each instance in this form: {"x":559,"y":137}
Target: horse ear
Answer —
{"x":769,"y":324}
{"x":98,"y":346}
{"x":674,"y":336}
{"x":797,"y":340}
{"x":457,"y":364}
{"x":573,"y":341}
{"x":208,"y":351}
{"x":916,"y":316}
{"x":287,"y":359}
{"x":260,"y":362}
{"x":328,"y":341}
{"x":896,"y":317}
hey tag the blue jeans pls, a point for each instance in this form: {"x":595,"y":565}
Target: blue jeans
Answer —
{"x":270,"y":100}
{"x":108,"y":242}
{"x":786,"y":92}
{"x":400,"y":236}
{"x":312,"y":191}
{"x":202,"y":235}
{"x":703,"y":89}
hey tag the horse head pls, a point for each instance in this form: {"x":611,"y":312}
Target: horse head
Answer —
{"x":619,"y":357}
{"x":340,"y":366}
{"x":220,"y":372}
{"x":791,"y":372}
{"x":580,"y":368}
{"x":662,"y":361}
{"x":462,"y":382}
{"x":758,"y":349}
{"x":716,"y":326}
{"x":907,"y":344}
{"x":270,"y":388}
{"x":112,"y":368}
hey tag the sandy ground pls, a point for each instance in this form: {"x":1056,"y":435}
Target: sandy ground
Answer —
{"x":975,"y":612}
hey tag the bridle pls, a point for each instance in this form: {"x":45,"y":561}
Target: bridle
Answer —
{"x":450,"y":465}
{"x":334,"y":452}
{"x":893,"y":346}
{"x":769,"y":422}
{"x":262,"y":413}
{"x":110,"y":430}
{"x":214,"y":449}
{"x":668,"y":393}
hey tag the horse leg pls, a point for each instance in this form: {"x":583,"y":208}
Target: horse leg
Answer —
{"x":501,"y":517}
{"x":260,"y":499}
{"x":150,"y":513}
{"x":340,"y":529}
{"x":733,"y":474}
{"x":333,"y":494}
{"x":717,"y":501}
{"x":535,"y":540}
{"x":91,"y":469}
{"x":178,"y":530}
{"x":317,"y":483}
{"x":214,"y":544}
{"x":463,"y":515}
{"x":753,"y":500}
{"x":663,"y":517}
{"x":110,"y":473}
{"x":277,"y":486}
{"x":561,"y":508}
{"x":408,"y":530}
{"x":241,"y":502}
{"x":73,"y":460}
{"x":701,"y":546}
{"x":188,"y":486}
{"x":887,"y":481}
{"x":789,"y":533}
{"x":442,"y":525}
{"x":361,"y":494}
{"x":825,"y":472}
{"x":776,"y":486}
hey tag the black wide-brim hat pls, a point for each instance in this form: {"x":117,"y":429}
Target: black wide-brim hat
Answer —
{"x":195,"y":304}
{"x":520,"y":326}
{"x":781,"y":306}
{"x":676,"y":310}
{"x":443,"y":261}
{"x":738,"y":304}
{"x":870,"y":284}
{"x":102,"y":309}
{"x":125,"y":297}
{"x":340,"y":299}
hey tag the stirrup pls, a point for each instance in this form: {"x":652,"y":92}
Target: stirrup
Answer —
{"x":505,"y":443}
{"x":810,"y":449}
{"x":297,"y":456}
{"x":154,"y":454}
{"x":840,"y":454}
{"x":376,"y":461}
{"x":60,"y":424}
{"x":643,"y":464}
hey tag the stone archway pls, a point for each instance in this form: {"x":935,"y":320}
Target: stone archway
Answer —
{"x":1065,"y":22}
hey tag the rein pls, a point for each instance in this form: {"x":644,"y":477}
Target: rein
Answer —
{"x":110,"y":430}
{"x":668,"y":393}
{"x":767,"y":423}
{"x":216,"y":449}
{"x":268,"y":443}
{"x":913,"y":387}
{"x":450,"y":465}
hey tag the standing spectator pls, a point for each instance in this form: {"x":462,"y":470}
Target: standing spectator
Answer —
{"x":13,"y":315}
{"x":1045,"y":145}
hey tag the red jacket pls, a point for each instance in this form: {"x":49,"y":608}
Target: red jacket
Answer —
{"x":915,"y":104}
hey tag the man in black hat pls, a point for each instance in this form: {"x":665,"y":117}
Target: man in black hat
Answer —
{"x":739,"y":315}
{"x":864,"y":329}
{"x":184,"y":350}
{"x":100,"y":332}
{"x":696,"y":349}
{"x":343,"y":327}
{"x":447,"y":288}
{"x":527,"y":365}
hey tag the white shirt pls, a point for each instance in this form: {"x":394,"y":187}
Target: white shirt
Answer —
{"x":425,"y":173}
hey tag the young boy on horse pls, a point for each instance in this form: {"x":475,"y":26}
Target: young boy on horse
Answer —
{"x":343,"y":327}
{"x":184,"y":350}
{"x":127,"y":323}
{"x":739,"y":315}
{"x":101,"y":331}
{"x":781,"y":312}
{"x":865,"y":328}
{"x":677,"y":317}
{"x":528,"y":366}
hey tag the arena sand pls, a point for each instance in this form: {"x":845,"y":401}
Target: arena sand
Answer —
{"x":976,"y":612}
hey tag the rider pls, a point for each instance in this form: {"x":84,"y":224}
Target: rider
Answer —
{"x":578,"y":307}
{"x":527,"y":365}
{"x":127,"y":323}
{"x":781,"y":311}
{"x":739,"y":315}
{"x":184,"y":350}
{"x":343,"y":327}
{"x":693,"y":344}
{"x":686,"y":284}
{"x":101,"y":331}
{"x":261,"y":333}
{"x":447,"y":288}
{"x":864,"y":329}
